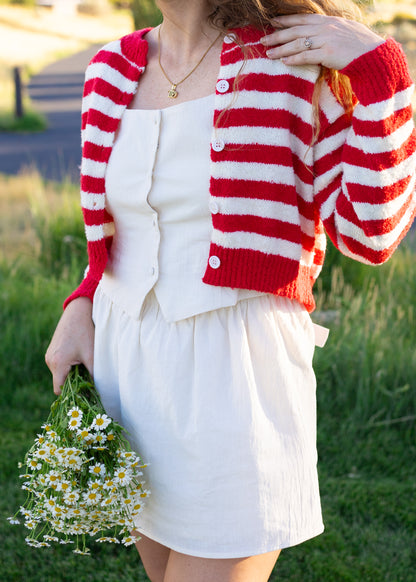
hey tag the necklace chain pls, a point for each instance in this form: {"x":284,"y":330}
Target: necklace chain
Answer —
{"x":172,"y":93}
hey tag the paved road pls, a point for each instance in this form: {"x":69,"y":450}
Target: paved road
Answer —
{"x":56,"y":92}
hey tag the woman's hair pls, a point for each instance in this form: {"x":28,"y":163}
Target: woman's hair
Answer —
{"x":228,"y":14}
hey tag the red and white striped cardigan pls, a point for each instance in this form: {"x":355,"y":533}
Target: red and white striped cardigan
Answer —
{"x":271,"y":193}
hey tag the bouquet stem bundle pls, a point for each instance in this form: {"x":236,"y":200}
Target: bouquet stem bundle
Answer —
{"x":82,"y":477}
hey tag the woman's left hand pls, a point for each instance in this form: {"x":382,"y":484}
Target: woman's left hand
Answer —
{"x":316,"y":39}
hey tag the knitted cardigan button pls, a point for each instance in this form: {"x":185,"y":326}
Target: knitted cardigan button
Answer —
{"x":223,"y":86}
{"x":218,"y":145}
{"x":213,"y":206}
{"x":229,"y":39}
{"x":214,"y":262}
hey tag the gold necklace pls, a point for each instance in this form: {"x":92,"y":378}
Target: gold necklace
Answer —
{"x":172,"y":93}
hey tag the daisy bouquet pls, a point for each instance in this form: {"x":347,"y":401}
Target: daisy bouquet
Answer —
{"x":81,"y":476}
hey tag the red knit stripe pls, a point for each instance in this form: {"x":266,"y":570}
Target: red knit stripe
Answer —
{"x":264,"y":226}
{"x":327,"y":162}
{"x":308,"y":242}
{"x":92,"y":185}
{"x":118,"y":62}
{"x":319,"y":257}
{"x":370,"y":227}
{"x":382,"y":160}
{"x":100,"y":120}
{"x":93,"y":217}
{"x":96,"y":152}
{"x":306,"y":208}
{"x":106,"y":89}
{"x":376,"y":195}
{"x":382,"y":127}
{"x":254,"y":189}
{"x":280,"y":118}
{"x":283,"y":84}
{"x":375,"y":257}
{"x":377,"y":227}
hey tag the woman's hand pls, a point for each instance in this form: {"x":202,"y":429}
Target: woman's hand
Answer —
{"x":330,"y":41}
{"x":72,"y":343}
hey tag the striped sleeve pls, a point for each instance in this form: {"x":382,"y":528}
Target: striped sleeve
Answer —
{"x":365,"y":168}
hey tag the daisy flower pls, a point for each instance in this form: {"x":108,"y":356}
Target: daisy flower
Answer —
{"x":92,"y":497}
{"x":129,"y":540}
{"x":100,"y":422}
{"x":98,"y":469}
{"x":122,"y":476}
{"x":75,"y":412}
{"x":74,"y":423}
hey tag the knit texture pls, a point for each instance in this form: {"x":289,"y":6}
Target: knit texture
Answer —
{"x":272,"y":194}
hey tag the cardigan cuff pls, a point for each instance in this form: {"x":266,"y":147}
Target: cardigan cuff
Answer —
{"x":378,"y":74}
{"x":86,"y":289}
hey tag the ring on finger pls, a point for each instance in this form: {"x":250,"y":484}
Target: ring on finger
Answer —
{"x":308,"y":43}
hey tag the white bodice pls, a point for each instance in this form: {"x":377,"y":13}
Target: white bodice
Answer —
{"x":157,"y":187}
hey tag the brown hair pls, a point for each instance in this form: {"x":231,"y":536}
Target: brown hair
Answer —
{"x":228,"y":14}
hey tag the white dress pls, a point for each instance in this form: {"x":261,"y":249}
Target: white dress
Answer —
{"x":214,"y":385}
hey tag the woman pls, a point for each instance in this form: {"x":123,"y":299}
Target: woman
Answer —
{"x":205,"y":209}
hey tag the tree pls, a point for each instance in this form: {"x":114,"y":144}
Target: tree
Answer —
{"x":145,"y":13}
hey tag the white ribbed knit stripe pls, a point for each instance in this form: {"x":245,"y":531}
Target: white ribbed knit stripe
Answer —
{"x":245,"y":135}
{"x":269,"y":67}
{"x":384,"y":210}
{"x":98,"y":232}
{"x":93,"y":168}
{"x":94,"y":233}
{"x":346,"y":251}
{"x":383,"y":109}
{"x":328,"y":207}
{"x":376,"y":145}
{"x":264,"y":209}
{"x":330,"y":144}
{"x":113,"y":76}
{"x":257,"y":242}
{"x":104,"y":105}
{"x":98,"y":136}
{"x":386,"y":177}
{"x":377,"y":242}
{"x":92,"y":201}
{"x":257,"y":207}
{"x":273,"y":101}
{"x":251,"y":171}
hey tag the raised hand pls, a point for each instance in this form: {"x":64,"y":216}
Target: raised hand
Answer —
{"x":331,"y":41}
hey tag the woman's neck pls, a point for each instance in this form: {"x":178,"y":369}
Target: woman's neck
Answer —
{"x":185,"y":29}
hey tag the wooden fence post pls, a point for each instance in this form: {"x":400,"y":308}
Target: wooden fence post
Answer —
{"x":18,"y":109}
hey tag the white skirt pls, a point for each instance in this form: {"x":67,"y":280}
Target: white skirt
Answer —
{"x":222,"y":407}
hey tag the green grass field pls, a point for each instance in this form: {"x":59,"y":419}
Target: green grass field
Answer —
{"x":366,"y":402}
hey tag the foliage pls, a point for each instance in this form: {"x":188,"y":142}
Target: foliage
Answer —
{"x":145,"y":13}
{"x":30,"y":121}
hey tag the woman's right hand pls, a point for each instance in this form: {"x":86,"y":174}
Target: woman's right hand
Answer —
{"x":72,"y":343}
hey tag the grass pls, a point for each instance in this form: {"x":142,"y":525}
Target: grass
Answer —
{"x":366,"y":401}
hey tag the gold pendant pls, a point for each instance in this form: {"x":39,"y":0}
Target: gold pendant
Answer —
{"x":173,"y":92}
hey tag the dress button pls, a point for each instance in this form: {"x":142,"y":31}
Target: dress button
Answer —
{"x":223,"y":86}
{"x":213,"y":206}
{"x":214,"y":262}
{"x":218,"y":145}
{"x":230,"y":38}
{"x":152,"y":270}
